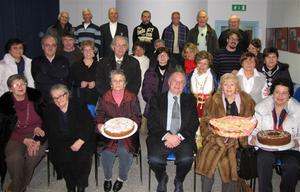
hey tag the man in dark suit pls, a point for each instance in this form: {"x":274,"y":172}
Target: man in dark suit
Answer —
{"x":110,"y":30}
{"x":118,"y":60}
{"x":172,"y":125}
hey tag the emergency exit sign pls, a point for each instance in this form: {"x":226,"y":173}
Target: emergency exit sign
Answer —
{"x":239,"y":7}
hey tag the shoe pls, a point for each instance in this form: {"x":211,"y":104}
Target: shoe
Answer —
{"x":107,"y":186}
{"x":80,"y":189}
{"x":71,"y":189}
{"x":178,"y":186}
{"x":162,"y":184}
{"x":117,"y":185}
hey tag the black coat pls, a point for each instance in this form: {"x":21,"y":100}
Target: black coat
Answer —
{"x":131,"y":68}
{"x":80,"y":125}
{"x":8,"y":119}
{"x":106,"y":37}
{"x":157,"y":120}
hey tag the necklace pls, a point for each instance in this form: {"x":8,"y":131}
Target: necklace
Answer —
{"x":25,"y":123}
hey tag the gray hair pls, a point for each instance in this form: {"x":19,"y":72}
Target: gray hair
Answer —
{"x":117,"y":37}
{"x":87,"y":10}
{"x":177,"y":71}
{"x":63,"y":12}
{"x":159,"y":41}
{"x":117,"y":72}
{"x":14,"y":77}
{"x":62,"y":88}
{"x":45,"y":37}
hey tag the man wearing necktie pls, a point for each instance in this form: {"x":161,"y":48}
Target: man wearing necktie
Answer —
{"x":172,"y":125}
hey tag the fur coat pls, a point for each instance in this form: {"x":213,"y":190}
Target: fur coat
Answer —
{"x":214,"y":153}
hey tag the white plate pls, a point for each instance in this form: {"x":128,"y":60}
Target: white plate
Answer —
{"x":135,"y":128}
{"x":276,"y":148}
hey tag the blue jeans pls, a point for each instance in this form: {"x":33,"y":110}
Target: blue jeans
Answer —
{"x":125,"y":161}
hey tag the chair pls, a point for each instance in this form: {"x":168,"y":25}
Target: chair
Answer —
{"x":48,"y":167}
{"x":171,"y":157}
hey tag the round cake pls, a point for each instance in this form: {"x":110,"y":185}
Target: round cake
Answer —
{"x":274,"y":138}
{"x":118,"y":127}
{"x":233,"y":126}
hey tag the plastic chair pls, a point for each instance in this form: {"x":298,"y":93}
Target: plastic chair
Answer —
{"x":171,"y":157}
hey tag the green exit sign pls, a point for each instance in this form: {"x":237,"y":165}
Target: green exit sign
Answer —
{"x":239,"y":7}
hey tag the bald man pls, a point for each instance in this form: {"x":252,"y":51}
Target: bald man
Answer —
{"x":234,"y":25}
{"x":110,"y":30}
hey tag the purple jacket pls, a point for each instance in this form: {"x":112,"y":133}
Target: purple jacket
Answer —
{"x":151,"y":83}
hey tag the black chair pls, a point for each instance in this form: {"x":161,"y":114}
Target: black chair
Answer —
{"x":171,"y":157}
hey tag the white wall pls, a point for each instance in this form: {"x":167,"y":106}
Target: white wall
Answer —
{"x":256,"y":11}
{"x":286,"y":13}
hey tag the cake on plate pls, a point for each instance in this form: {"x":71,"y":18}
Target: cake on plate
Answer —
{"x":118,"y":127}
{"x":233,"y":126}
{"x":273,"y":137}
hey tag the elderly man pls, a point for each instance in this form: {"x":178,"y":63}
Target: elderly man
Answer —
{"x":203,"y":35}
{"x":70,"y":51}
{"x":175,"y":36}
{"x":88,"y":31}
{"x":227,"y":60}
{"x":110,"y":30}
{"x":172,"y":125}
{"x":119,"y":60}
{"x":49,"y":69}
{"x":146,"y":33}
{"x":234,"y":25}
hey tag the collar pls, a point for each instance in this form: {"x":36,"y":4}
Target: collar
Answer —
{"x":241,"y":72}
{"x":122,"y":58}
{"x":170,"y":96}
{"x":111,"y":23}
{"x":50,"y":59}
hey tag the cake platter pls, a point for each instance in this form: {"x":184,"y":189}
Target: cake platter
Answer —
{"x":119,"y":121}
{"x":275,"y":148}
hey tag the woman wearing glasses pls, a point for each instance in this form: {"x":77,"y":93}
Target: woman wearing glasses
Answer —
{"x":71,"y":138}
{"x":21,"y":147}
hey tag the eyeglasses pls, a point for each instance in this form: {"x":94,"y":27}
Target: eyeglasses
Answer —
{"x":284,"y":94}
{"x":59,"y":97}
{"x":15,"y":85}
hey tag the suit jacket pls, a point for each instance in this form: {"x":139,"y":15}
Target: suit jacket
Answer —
{"x":131,"y":68}
{"x":106,"y":37}
{"x":157,"y":120}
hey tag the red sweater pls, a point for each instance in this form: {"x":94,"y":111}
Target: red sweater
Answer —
{"x":189,"y":66}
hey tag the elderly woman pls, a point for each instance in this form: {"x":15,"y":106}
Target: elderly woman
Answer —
{"x":14,"y":62}
{"x":189,"y":52}
{"x":156,"y":77}
{"x":219,"y":152}
{"x":83,"y":74}
{"x":280,"y":112}
{"x":272,"y":68}
{"x":20,"y":131}
{"x":71,"y":137}
{"x":252,"y":81}
{"x":118,"y":102}
{"x":61,"y":27}
{"x":255,"y":48}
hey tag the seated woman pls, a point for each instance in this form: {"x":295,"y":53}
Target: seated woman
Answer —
{"x":219,"y":152}
{"x":20,"y":121}
{"x":71,"y":137}
{"x":279,"y":111}
{"x":156,"y":77}
{"x":252,"y":81}
{"x":118,"y":102}
{"x":188,"y":53}
{"x":14,"y":62}
{"x":83,"y":74}
{"x":255,"y":48}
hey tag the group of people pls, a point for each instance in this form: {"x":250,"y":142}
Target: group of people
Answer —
{"x":178,"y":83}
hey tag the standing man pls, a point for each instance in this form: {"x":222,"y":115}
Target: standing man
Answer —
{"x":203,"y":35}
{"x":110,"y":30}
{"x":146,"y":33}
{"x":70,"y":51}
{"x":172,"y":125}
{"x":119,"y":60}
{"x":175,"y":36}
{"x":88,"y":31}
{"x":49,"y":69}
{"x":234,"y":25}
{"x":227,"y":60}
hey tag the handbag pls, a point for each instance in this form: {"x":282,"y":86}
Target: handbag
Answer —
{"x":246,"y":162}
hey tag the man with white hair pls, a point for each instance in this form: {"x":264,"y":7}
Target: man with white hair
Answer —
{"x":88,"y":31}
{"x":110,"y":30}
{"x":234,"y":25}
